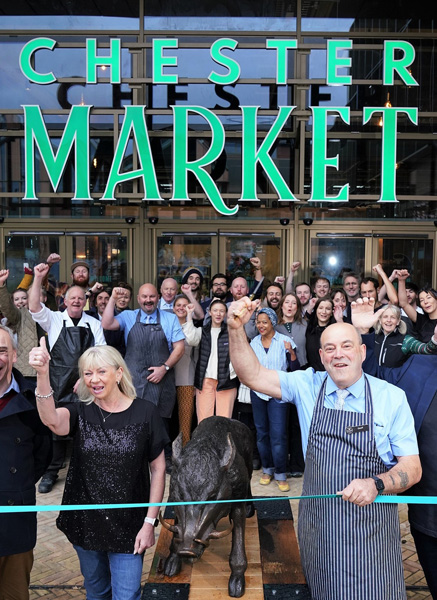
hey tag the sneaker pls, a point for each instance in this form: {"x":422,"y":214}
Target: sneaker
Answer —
{"x":296,"y":474}
{"x":256,"y":464}
{"x":46,"y":484}
{"x":265,"y":479}
{"x":283,"y":485}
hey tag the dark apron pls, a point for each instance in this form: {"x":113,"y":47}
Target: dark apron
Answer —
{"x":147,"y":347}
{"x":348,"y":551}
{"x":64,"y":371}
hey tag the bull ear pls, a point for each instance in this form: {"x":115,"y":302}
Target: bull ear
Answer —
{"x":229,"y":453}
{"x":177,"y":449}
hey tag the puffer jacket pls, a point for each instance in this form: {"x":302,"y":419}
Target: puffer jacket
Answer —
{"x":224,"y":379}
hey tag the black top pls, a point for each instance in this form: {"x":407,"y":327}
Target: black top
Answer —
{"x":110,"y":465}
{"x":424,"y":327}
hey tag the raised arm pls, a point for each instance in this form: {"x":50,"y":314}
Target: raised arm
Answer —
{"x":39,"y":274}
{"x":246,"y":365}
{"x":289,"y":287}
{"x":56,"y":419}
{"x":390,"y":288}
{"x":108,"y":319}
{"x":363,"y":314}
{"x":198,"y":310}
{"x":410,"y":311}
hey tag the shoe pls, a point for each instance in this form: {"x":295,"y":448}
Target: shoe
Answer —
{"x":283,"y":485}
{"x":296,"y":474}
{"x":265,"y":479}
{"x":256,"y":464}
{"x":46,"y":484}
{"x":168,"y":465}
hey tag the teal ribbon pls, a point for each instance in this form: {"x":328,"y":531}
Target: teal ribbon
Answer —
{"x":389,"y":499}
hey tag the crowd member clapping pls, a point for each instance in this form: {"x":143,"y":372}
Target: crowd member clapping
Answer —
{"x":215,"y":380}
{"x":116,"y":439}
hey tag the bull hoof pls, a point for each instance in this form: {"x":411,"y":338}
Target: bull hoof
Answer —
{"x":172,"y":565}
{"x":236,"y":586}
{"x":250,"y":510}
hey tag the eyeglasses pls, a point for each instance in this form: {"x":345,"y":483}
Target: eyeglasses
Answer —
{"x":219,"y":284}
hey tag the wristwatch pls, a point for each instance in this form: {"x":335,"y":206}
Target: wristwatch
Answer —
{"x":154,"y":522}
{"x":379,"y":484}
{"x":167,"y":368}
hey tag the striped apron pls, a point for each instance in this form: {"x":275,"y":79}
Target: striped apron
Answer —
{"x":348,"y":552}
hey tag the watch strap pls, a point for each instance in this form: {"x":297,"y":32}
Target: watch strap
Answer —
{"x":154,"y":522}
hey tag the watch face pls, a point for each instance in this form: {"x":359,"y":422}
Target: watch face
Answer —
{"x":379,"y":484}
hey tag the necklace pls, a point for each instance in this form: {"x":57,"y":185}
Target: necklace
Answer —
{"x":101,"y":412}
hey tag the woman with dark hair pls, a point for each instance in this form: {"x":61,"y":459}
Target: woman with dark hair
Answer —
{"x":292,"y":324}
{"x":274,"y":351}
{"x":321,"y":317}
{"x":118,"y":458}
{"x":423,"y":324}
{"x":215,"y":380}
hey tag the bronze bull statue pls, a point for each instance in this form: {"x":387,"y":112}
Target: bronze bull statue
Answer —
{"x":215,"y":465}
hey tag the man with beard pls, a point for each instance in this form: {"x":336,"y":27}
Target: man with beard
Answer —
{"x":154,"y":344}
{"x":194,"y":278}
{"x":303,"y":292}
{"x":70,"y":333}
{"x":272,"y":299}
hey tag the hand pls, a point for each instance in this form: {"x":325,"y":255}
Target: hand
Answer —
{"x":186,"y":289}
{"x":119,"y":292}
{"x":4,"y":274}
{"x":402,"y":274}
{"x":97,"y":287}
{"x":41,"y":270}
{"x":53,"y":259}
{"x":190,"y":308}
{"x":363,"y":315}
{"x":338,"y":313}
{"x":288,"y":346}
{"x":239,"y":312}
{"x":145,"y":538}
{"x":360,"y":492}
{"x":279,"y":279}
{"x":39,"y":357}
{"x":256,"y":262}
{"x":378,"y":269}
{"x":157,"y":374}
{"x":295,"y":266}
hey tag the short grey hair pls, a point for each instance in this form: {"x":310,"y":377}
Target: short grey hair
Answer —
{"x":10,"y":333}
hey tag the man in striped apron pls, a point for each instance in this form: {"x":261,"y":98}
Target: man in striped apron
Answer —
{"x":359,"y":440}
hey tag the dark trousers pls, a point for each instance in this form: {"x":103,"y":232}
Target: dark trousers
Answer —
{"x":243,"y":413}
{"x":296,"y":460}
{"x":426,"y":547}
{"x":60,"y":445}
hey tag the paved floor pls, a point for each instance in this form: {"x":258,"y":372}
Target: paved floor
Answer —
{"x":56,"y":571}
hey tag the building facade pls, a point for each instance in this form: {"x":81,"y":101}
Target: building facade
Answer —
{"x":146,"y":137}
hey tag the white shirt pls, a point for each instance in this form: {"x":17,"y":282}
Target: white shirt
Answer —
{"x":53,"y":322}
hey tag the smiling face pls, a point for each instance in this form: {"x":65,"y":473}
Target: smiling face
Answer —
{"x":180,"y":308}
{"x":80,"y":276}
{"x":218,"y":313}
{"x":148,"y":298}
{"x":194,"y":281}
{"x":75,"y":301}
{"x":324,"y":312}
{"x":342,"y":354}
{"x":169,"y":289}
{"x":339,"y":300}
{"x":102,"y":381}
{"x":389,"y":320}
{"x":273,"y":296}
{"x":101,"y":301}
{"x":122,"y":302}
{"x":264,"y":324}
{"x":368,"y":290}
{"x":429,"y":304}
{"x":321,"y":288}
{"x":351,"y":287}
{"x":19,"y":299}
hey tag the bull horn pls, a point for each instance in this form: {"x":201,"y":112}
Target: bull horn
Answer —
{"x":166,"y":525}
{"x":216,"y":535}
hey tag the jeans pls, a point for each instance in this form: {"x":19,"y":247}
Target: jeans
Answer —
{"x":110,"y":575}
{"x":271,"y":420}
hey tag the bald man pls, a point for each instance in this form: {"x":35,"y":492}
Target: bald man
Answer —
{"x":154,"y":344}
{"x":359,"y":440}
{"x":169,"y":289}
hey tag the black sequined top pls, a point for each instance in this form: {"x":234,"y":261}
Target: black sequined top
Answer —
{"x":110,"y":465}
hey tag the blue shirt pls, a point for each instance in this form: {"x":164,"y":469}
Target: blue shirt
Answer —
{"x":275,"y":358}
{"x":169,"y":322}
{"x":393,"y":422}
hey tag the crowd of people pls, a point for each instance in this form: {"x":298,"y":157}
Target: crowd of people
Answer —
{"x":277,"y":355}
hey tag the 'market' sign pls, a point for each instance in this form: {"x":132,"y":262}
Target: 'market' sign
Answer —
{"x":76,"y":135}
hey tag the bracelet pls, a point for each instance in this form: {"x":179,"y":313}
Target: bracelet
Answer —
{"x":42,"y":396}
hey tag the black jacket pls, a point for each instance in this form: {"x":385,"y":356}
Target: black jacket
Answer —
{"x":388,"y":349}
{"x":26,"y":450}
{"x":224,"y":380}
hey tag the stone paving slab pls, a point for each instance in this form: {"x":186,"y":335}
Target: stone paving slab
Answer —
{"x":56,"y":571}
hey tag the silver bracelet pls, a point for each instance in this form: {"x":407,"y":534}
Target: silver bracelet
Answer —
{"x":42,"y":396}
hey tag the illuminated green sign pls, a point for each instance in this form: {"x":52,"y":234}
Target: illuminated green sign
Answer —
{"x":76,"y":135}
